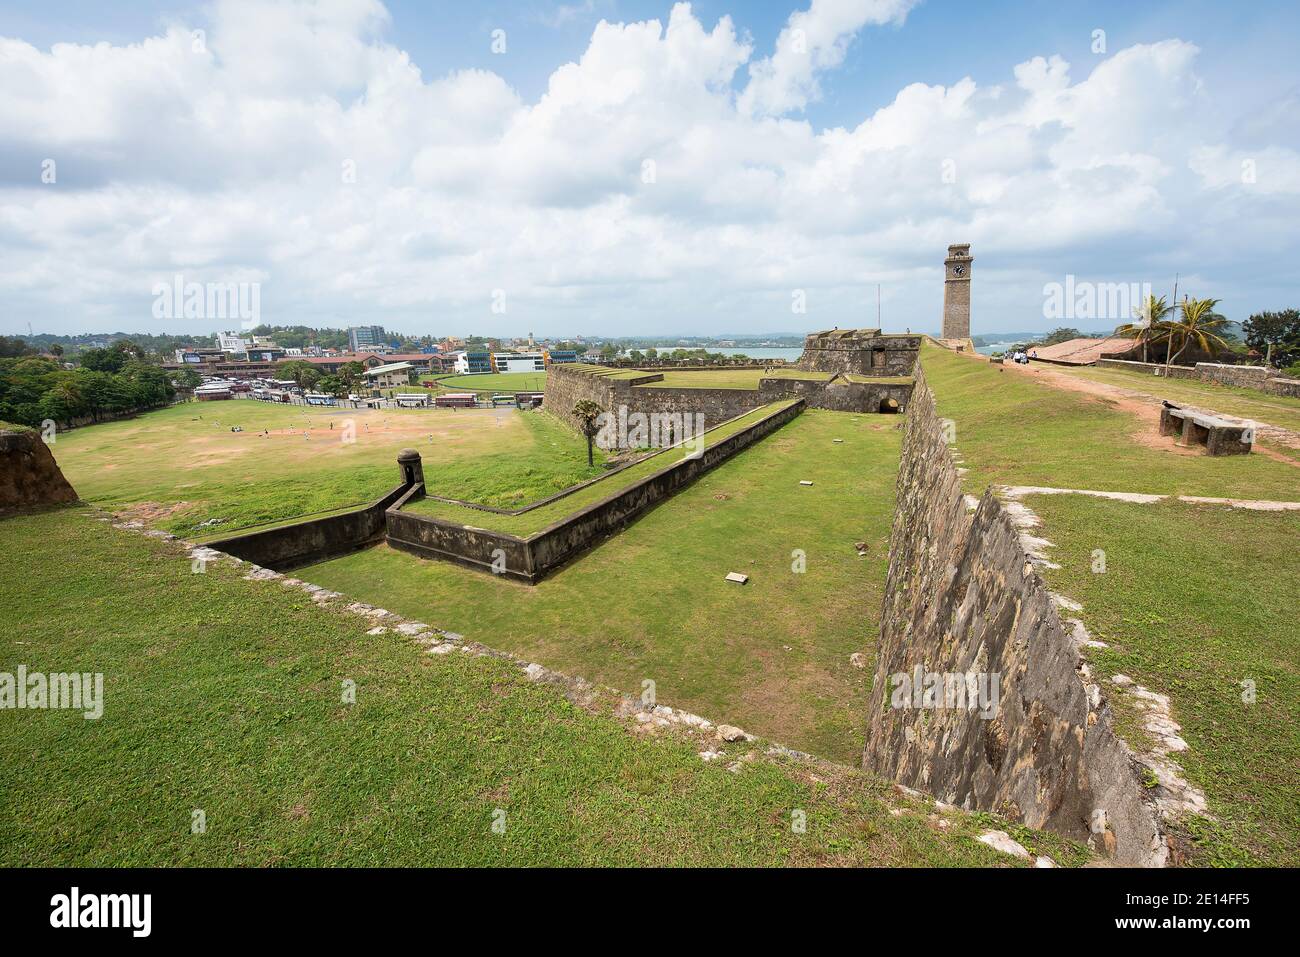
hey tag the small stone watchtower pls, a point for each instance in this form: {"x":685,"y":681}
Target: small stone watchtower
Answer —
{"x":411,"y":467}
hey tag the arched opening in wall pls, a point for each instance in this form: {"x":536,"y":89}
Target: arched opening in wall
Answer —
{"x":889,"y":406}
{"x":408,"y":473}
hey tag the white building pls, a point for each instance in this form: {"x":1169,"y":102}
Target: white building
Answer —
{"x":229,"y":342}
{"x":467,"y":362}
{"x":519,"y":361}
{"x":390,"y":376}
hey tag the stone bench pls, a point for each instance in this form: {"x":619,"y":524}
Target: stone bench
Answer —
{"x":1218,"y":436}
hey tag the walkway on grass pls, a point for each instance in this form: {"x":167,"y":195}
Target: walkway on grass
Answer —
{"x":1017,"y":492}
{"x":1146,"y":406}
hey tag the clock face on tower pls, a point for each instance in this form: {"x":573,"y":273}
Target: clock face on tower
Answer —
{"x":959,"y":271}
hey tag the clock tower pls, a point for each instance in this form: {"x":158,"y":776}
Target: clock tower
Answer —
{"x":956,"y":292}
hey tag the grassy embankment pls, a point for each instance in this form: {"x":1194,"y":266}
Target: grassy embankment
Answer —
{"x":224,"y":695}
{"x":651,"y":602}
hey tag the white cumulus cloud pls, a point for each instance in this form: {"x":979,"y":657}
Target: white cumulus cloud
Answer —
{"x":665,"y":181}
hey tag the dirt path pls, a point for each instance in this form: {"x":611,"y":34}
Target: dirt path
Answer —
{"x":1146,"y":407}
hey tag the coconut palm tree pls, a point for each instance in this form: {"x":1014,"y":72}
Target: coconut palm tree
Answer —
{"x":1197,"y":322}
{"x":586,"y":412}
{"x":1150,"y":325}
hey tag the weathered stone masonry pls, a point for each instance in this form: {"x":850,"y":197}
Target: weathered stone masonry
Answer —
{"x":530,"y":559}
{"x":860,"y":351}
{"x":870,"y":373}
{"x":286,"y":547}
{"x":963,"y":596}
{"x":840,"y":393}
{"x":565,"y":387}
{"x":29,"y":476}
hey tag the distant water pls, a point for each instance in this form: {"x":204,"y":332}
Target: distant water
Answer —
{"x":790,"y":355}
{"x":994,"y":347}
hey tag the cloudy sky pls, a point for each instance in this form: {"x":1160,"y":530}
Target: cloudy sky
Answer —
{"x":640,"y":168}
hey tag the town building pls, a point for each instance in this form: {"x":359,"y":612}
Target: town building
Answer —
{"x":519,"y":361}
{"x":196,"y":355}
{"x":372,"y":360}
{"x":231,"y":343}
{"x":391,"y":376}
{"x":366,"y":338}
{"x":467,"y":363}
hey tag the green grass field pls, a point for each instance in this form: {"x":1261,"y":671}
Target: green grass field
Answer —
{"x":724,"y":378}
{"x":651,"y":603}
{"x":540,"y":518}
{"x":180,"y":467}
{"x":1195,"y":600}
{"x":490,"y":382}
{"x":1281,"y":411}
{"x":224,"y":695}
{"x":1012,"y":430}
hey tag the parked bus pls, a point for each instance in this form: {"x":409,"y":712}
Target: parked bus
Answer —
{"x":319,"y":398}
{"x":455,"y":400}
{"x":212,"y":391}
{"x":528,"y":400}
{"x":502,"y":399}
{"x":411,"y":400}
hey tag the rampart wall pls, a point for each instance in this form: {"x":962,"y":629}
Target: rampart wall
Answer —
{"x":963,"y":597}
{"x":29,"y":476}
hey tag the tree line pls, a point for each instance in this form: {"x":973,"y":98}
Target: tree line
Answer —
{"x":109,"y":382}
{"x":1195,"y":324}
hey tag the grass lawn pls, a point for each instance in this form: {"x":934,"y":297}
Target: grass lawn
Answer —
{"x":771,"y":656}
{"x":179,"y":467}
{"x":1012,"y":430}
{"x":491,"y":382}
{"x":1278,"y":410}
{"x":724,"y":378}
{"x":225,"y":695}
{"x":540,"y":518}
{"x":1194,"y":600}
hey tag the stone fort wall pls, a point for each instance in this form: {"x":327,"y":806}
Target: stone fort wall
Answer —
{"x":286,"y":547}
{"x":565,"y":387}
{"x":860,"y":351}
{"x":962,"y":596}
{"x":29,"y":476}
{"x":530,"y":559}
{"x":840,"y":394}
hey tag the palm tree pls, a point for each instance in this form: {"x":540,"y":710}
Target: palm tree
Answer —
{"x":1197,"y":322}
{"x":1150,"y":325}
{"x":587,"y":412}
